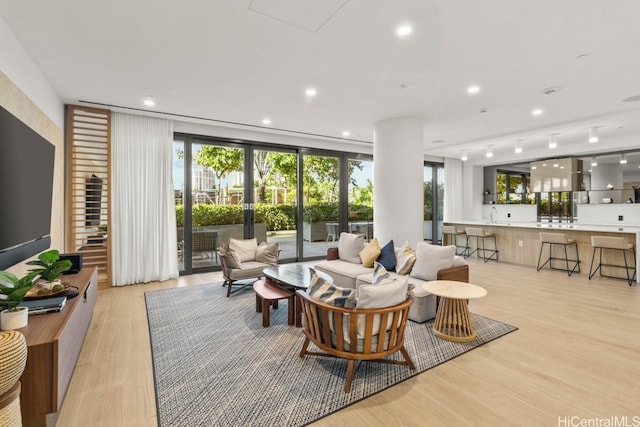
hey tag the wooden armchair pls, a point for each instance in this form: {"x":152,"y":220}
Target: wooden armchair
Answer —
{"x":355,"y":334}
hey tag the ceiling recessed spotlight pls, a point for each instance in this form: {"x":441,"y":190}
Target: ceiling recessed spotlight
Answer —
{"x":310,"y":92}
{"x":463,"y":157}
{"x":518,"y":148}
{"x":266,"y":121}
{"x":473,"y":89}
{"x":593,"y":134}
{"x":149,"y":101}
{"x":346,"y":133}
{"x":404,"y":30}
{"x":489,"y":153}
{"x":594,"y":161}
{"x":623,"y":159}
{"x":537,"y":112}
{"x":553,"y":142}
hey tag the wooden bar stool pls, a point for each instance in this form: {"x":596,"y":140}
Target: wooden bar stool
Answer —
{"x":450,"y":230}
{"x":481,"y":236}
{"x":558,"y":239}
{"x":616,"y":244}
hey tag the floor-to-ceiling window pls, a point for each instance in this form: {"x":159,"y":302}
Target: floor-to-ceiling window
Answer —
{"x":234,"y":189}
{"x":320,"y":202}
{"x":433,"y":187}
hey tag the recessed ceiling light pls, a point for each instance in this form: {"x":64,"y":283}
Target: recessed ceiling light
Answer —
{"x":594,"y":162}
{"x":518,"y":148}
{"x":553,"y":142}
{"x":551,"y":90}
{"x":266,"y":121}
{"x":346,"y":133}
{"x":149,"y":101}
{"x":463,"y":157}
{"x":489,"y":153}
{"x":404,"y":30}
{"x":623,"y":159}
{"x":537,"y":112}
{"x":311,"y":92}
{"x":593,"y":134}
{"x":473,"y":89}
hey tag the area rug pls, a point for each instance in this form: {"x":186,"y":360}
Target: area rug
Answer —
{"x":214,"y":363}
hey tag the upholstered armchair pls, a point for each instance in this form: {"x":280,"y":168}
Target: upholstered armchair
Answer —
{"x":243,"y":261}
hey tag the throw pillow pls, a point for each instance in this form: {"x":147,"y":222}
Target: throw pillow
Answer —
{"x":387,"y":295}
{"x":430,"y":259}
{"x":388,"y":256}
{"x":327,"y":292}
{"x":380,"y":275}
{"x":231,"y":258}
{"x":369,"y":253}
{"x":267,"y":252}
{"x":244,"y":248}
{"x":406,"y":258}
{"x":349,"y":247}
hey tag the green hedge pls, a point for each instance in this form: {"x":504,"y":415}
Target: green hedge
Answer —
{"x":276,"y":217}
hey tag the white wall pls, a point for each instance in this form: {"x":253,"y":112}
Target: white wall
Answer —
{"x":23,"y":72}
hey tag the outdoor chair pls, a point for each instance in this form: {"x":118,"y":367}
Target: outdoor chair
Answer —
{"x":355,"y":334}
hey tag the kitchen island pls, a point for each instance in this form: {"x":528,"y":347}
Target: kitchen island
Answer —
{"x":519,"y":242}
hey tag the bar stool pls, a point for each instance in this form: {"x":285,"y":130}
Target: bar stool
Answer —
{"x":450,"y":230}
{"x":558,"y":239}
{"x":481,"y":236}
{"x":613,"y":243}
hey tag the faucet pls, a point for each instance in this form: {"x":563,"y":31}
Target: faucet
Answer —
{"x":492,"y":211}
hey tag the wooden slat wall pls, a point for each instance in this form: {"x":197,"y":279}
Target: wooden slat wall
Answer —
{"x":88,"y":141}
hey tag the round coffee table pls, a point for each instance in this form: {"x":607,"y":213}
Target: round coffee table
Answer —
{"x":453,"y":321}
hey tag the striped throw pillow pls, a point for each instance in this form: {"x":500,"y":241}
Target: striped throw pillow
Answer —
{"x":327,"y":292}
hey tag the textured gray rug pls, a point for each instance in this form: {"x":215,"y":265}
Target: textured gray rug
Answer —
{"x":215,"y":365}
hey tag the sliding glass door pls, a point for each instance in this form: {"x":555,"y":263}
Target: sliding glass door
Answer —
{"x":433,"y":202}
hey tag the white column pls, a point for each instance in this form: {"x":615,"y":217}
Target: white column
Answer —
{"x":398,"y":176}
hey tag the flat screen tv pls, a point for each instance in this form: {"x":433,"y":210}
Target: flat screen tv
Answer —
{"x":26,"y":190}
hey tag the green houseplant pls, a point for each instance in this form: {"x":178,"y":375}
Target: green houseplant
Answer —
{"x":49,"y":266}
{"x":12,"y":292}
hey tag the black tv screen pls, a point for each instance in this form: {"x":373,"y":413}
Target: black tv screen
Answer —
{"x":26,"y":190}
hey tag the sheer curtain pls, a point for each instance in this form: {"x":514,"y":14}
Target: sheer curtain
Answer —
{"x":143,"y":217}
{"x":454,"y":191}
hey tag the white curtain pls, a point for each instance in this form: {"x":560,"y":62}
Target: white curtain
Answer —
{"x":143,"y":216}
{"x":454,"y":191}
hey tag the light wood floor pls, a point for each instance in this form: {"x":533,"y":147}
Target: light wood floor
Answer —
{"x":576,"y":354}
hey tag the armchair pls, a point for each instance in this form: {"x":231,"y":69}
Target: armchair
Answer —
{"x":355,"y":333}
{"x":243,"y":262}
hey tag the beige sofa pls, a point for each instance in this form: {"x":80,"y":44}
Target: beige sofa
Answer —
{"x":348,"y":274}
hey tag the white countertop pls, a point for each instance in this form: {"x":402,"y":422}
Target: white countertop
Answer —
{"x":554,"y":225}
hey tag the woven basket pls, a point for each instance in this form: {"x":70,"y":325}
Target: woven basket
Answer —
{"x":13,"y":357}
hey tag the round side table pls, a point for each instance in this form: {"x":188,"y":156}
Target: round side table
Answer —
{"x":453,"y":322}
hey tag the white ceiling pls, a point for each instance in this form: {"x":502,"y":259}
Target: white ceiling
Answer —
{"x":241,"y":61}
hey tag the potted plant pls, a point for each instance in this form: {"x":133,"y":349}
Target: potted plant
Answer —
{"x":49,"y":268}
{"x":12,"y":292}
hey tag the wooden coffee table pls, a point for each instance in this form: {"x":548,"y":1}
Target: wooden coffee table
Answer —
{"x":453,"y":321}
{"x":291,"y":277}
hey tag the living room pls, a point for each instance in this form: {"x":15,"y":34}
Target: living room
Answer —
{"x":532,"y":377}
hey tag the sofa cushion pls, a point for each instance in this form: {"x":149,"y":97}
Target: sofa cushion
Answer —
{"x":405,"y":257}
{"x":247,"y":270}
{"x":380,"y":275}
{"x":343,"y":273}
{"x":349,"y":247}
{"x":430,"y":259}
{"x":267,"y":252}
{"x":387,"y":256}
{"x":327,"y":292}
{"x":244,"y":248}
{"x":370,"y":253}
